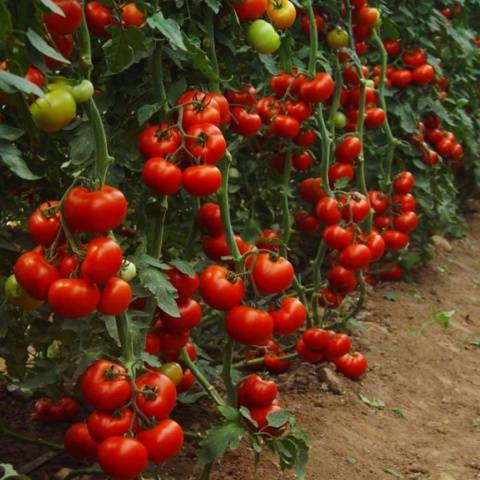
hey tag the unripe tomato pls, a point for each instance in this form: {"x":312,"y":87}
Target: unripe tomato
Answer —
{"x":173,"y":371}
{"x":282,"y":13}
{"x":83,"y":91}
{"x":340,"y":120}
{"x":262,"y":37}
{"x":337,"y":38}
{"x":128,"y":271}
{"x":16,"y":295}
{"x":54,"y":111}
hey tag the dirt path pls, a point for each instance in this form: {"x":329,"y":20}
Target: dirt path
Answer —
{"x":426,"y":375}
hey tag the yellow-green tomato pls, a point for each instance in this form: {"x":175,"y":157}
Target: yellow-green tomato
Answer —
{"x":54,"y":111}
{"x":16,"y":295}
{"x":262,"y":37}
{"x":340,"y":120}
{"x":337,"y":38}
{"x":173,"y":371}
{"x":128,"y":271}
{"x":83,"y":91}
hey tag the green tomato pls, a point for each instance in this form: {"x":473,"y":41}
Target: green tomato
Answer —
{"x":128,"y":271}
{"x":54,"y":111}
{"x":83,"y":91}
{"x":262,"y":37}
{"x":60,"y":83}
{"x":340,"y":120}
{"x":16,"y":295}
{"x":173,"y":371}
{"x":370,"y":83}
{"x":337,"y":38}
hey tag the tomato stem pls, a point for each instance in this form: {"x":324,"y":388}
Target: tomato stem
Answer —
{"x":336,"y":97}
{"x":126,"y":340}
{"x":287,"y":218}
{"x":260,"y":360}
{"x":326,"y":143}
{"x":157,"y":74}
{"x":227,"y":371}
{"x":214,"y":84}
{"x":317,"y":278}
{"x":312,"y":59}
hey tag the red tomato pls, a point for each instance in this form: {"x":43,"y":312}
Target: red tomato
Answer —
{"x":305,"y":22}
{"x":424,"y":74}
{"x":64,"y":45}
{"x":250,"y":9}
{"x":306,"y":354}
{"x":445,"y":147}
{"x":378,"y":201}
{"x":220,"y":288}
{"x":404,"y":203}
{"x":102,"y":425}
{"x":305,"y":138}
{"x":302,"y":161}
{"x":35,"y":76}
{"x":374,"y":117}
{"x":433,"y":135}
{"x":162,"y":176}
{"x":430,"y":158}
{"x":367,"y":16}
{"x":115,"y":297}
{"x":337,"y":237}
{"x":356,"y":208}
{"x":247,"y":96}
{"x":248,"y":325}
{"x":371,"y":96}
{"x":352,"y":366}
{"x":311,"y":190}
{"x":159,"y":140}
{"x":391,"y":273}
{"x":223,"y":107}
{"x":272,"y":275}
{"x":415,"y":57}
{"x":68,"y":23}
{"x":268,"y":107}
{"x":260,"y":416}
{"x":319,"y":89}
{"x":105,"y":385}
{"x":291,"y":316}
{"x":342,"y":279}
{"x":48,"y":410}
{"x":210,"y":219}
{"x":404,"y":182}
{"x":376,"y":245}
{"x":103,"y":259}
{"x":202,"y":180}
{"x":190,"y":316}
{"x":132,"y":16}
{"x":245,"y":123}
{"x":299,"y":110}
{"x":351,"y":76}
{"x":338,"y":345}
{"x":316,"y":339}
{"x":348,"y":150}
{"x":395,"y":240}
{"x":206,"y":142}
{"x":153,"y":344}
{"x":269,"y":240}
{"x":306,"y":222}
{"x":122,"y":458}
{"x":275,"y":364}
{"x":401,"y":78}
{"x":98,"y":18}
{"x":35,"y":275}
{"x":185,"y":285}
{"x":156,"y":395}
{"x":393,"y":47}
{"x":187,"y":382}
{"x":163,"y":441}
{"x":254,"y":392}
{"x":95,"y":211}
{"x":78,"y":442}
{"x":172,"y":343}
{"x":216,"y":247}
{"x":355,"y":257}
{"x":338,"y":171}
{"x":406,"y":222}
{"x":285,"y":126}
{"x":200,"y":109}
{"x":44,"y":223}
{"x":328,"y":212}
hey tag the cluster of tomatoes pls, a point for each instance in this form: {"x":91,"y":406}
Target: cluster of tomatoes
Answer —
{"x":129,"y":425}
{"x":74,"y":280}
{"x":50,"y":411}
{"x":316,"y":345}
{"x":434,"y":142}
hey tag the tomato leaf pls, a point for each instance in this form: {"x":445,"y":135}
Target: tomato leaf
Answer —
{"x":219,"y":438}
{"x":278,"y":419}
{"x":184,"y":267}
{"x":40,"y":378}
{"x":230,"y":413}
{"x":7,"y":132}
{"x":150,"y":359}
{"x":145,"y":112}
{"x":157,"y":283}
{"x":200,"y":60}
{"x":43,"y":47}
{"x":10,"y":156}
{"x":20,"y":83}
{"x":53,"y":7}
{"x":5,"y":20}
{"x":169,"y":28}
{"x":111,"y":327}
{"x":213,"y":5}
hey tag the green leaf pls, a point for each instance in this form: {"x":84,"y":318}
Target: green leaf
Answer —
{"x":20,"y":83}
{"x":10,"y":156}
{"x":200,"y":60}
{"x":111,"y":326}
{"x":269,"y":63}
{"x":51,"y":5}
{"x":169,"y":28}
{"x":175,"y":89}
{"x":184,"y":267}
{"x":375,"y":404}
{"x":213,"y":5}
{"x":443,"y":318}
{"x":230,"y":413}
{"x":157,"y":283}
{"x":147,"y":260}
{"x":7,"y":132}
{"x":278,"y":419}
{"x":150,"y":359}
{"x":218,"y":439}
{"x":42,"y":378}
{"x":43,"y":47}
{"x":5,"y":20}
{"x":145,"y":112}
{"x":118,"y":53}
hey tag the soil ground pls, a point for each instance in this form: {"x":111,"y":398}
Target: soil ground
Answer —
{"x":426,"y":376}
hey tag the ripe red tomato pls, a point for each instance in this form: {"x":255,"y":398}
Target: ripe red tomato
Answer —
{"x":68,"y":23}
{"x":306,"y":222}
{"x":94,"y":211}
{"x":337,"y":237}
{"x":305,"y":138}
{"x":356,"y":208}
{"x":338,"y":345}
{"x":319,"y":89}
{"x":199,"y":110}
{"x":162,"y":176}
{"x":206,"y":142}
{"x":367,"y":16}
{"x":433,"y":135}
{"x":159,"y":140}
{"x":291,"y":316}
{"x":269,"y":240}
{"x":64,"y":45}
{"x":248,"y":325}
{"x":341,"y":279}
{"x":353,"y":366}
{"x":102,"y":425}
{"x":115,"y":297}
{"x":185,"y":285}
{"x":371,"y":96}
{"x":285,"y":126}
{"x":247,"y":95}
{"x":351,"y":76}
{"x":430,"y":158}
{"x":190,"y":316}
{"x":103,"y":259}
{"x":424,"y":74}
{"x":163,"y":441}
{"x":338,"y":171}
{"x":156,"y":395}
{"x":47,"y":410}
{"x":210,"y":219}
{"x":98,"y":18}
{"x":250,"y":9}
{"x":374,"y":117}
{"x":395,"y":240}
{"x":406,"y":222}
{"x":299,"y":110}
{"x":444,"y":147}
{"x":254,"y":392}
{"x":73,"y":297}
{"x":245,"y":123}
{"x":268,"y":107}
{"x":391,"y":273}
{"x":306,"y":354}
{"x":378,"y":201}
{"x":401,"y":78}
{"x":223,"y":107}
{"x":404,"y":182}
{"x":305,"y":22}
{"x":415,"y":57}
{"x":122,"y":457}
{"x":105,"y":386}
{"x":404,"y":203}
{"x":35,"y":275}
{"x":44,"y":223}
{"x":188,"y":381}
{"x":280,"y":83}
{"x":216,"y":247}
{"x":393,"y":47}
{"x":78,"y":442}
{"x":272,"y":275}
{"x":302,"y":161}
{"x":172,"y":343}
{"x":311,"y":190}
{"x":275,"y":364}
{"x":260,"y":416}
{"x":68,"y":264}
{"x":220,"y":288}
{"x":316,"y":339}
{"x":132,"y":16}
{"x":376,"y":245}
{"x":328,"y":211}
{"x":355,"y":257}
{"x":202,"y":180}
{"x":348,"y":150}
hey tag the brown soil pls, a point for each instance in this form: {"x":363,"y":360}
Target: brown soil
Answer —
{"x":426,"y":376}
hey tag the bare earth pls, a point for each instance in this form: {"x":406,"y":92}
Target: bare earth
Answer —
{"x":426,"y":376}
